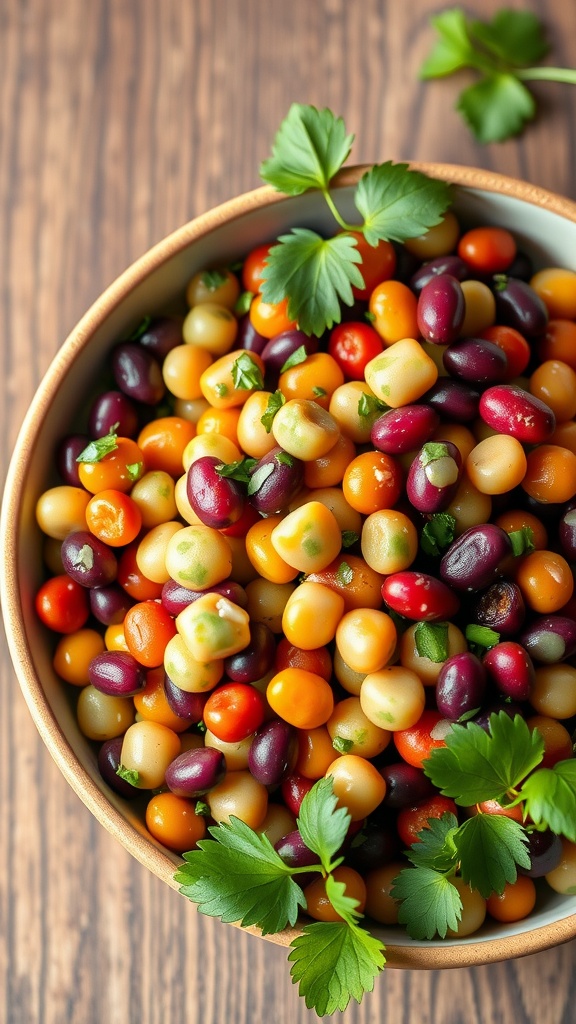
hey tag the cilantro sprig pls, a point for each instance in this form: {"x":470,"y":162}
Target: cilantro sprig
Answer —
{"x":238,"y":876}
{"x":317,"y":274}
{"x":504,"y":53}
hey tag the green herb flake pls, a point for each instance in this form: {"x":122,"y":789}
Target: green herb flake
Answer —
{"x":246,"y":374}
{"x":522,"y":541}
{"x":202,"y":809}
{"x":432,"y":451}
{"x":319,"y":392}
{"x":482,"y":636}
{"x":349,"y":538}
{"x":370,"y":406}
{"x":96,"y":450}
{"x":134,"y":470}
{"x":284,"y":459}
{"x":431,"y":639}
{"x":342,"y":745}
{"x":221,"y":390}
{"x":438,"y":534}
{"x":240,"y":470}
{"x":259,"y":477}
{"x":243,"y":303}
{"x":275,"y":402}
{"x":214,"y":279}
{"x":130,"y":775}
{"x":300,"y":355}
{"x":344,"y":574}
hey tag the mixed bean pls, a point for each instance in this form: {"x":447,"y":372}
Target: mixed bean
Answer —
{"x":256,"y":525}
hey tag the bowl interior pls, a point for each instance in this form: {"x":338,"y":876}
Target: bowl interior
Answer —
{"x":544,"y":225}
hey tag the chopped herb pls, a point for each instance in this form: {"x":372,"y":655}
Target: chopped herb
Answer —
{"x":344,"y":574}
{"x":299,"y":355}
{"x":129,"y":775}
{"x":342,"y":745}
{"x":202,"y":809}
{"x":432,"y":451}
{"x":319,"y":392}
{"x":96,"y":450}
{"x":284,"y":459}
{"x":246,"y":374}
{"x":349,"y":537}
{"x":482,"y":636}
{"x":431,"y":639}
{"x":221,"y":390}
{"x":438,"y":533}
{"x":369,"y":405}
{"x":259,"y":477}
{"x":243,"y":303}
{"x":134,"y":469}
{"x":522,"y":541}
{"x":239,"y":471}
{"x":275,"y":402}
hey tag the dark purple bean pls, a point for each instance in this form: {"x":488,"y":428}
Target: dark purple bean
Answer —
{"x":550,"y":638}
{"x":510,"y":708}
{"x":108,"y":764}
{"x":434,"y":476}
{"x":519,"y":306}
{"x":404,"y":430}
{"x":275,"y":480}
{"x":116,"y":673}
{"x":217,"y":500}
{"x":501,"y":608}
{"x":405,"y":785}
{"x":473,"y":560}
{"x":271,"y":752}
{"x":377,"y":843}
{"x":248,"y":337}
{"x":87,"y":560}
{"x":162,"y":334}
{"x":452,"y":265}
{"x":283,"y":345}
{"x":567,"y":534}
{"x":545,"y":852}
{"x":196,"y":771}
{"x":475,"y":359}
{"x":521,"y":266}
{"x":453,"y":400}
{"x":137,"y":373}
{"x":113,"y":410}
{"x":548,"y":511}
{"x":109,"y":604}
{"x":68,"y":451}
{"x":176,"y":598}
{"x":255,"y":660}
{"x":294,"y":852}
{"x":510,"y":668}
{"x":183,"y":703}
{"x":440,"y":310}
{"x":461,"y":686}
{"x":511,"y":410}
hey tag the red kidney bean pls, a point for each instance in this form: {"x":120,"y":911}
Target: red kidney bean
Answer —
{"x":217,"y":500}
{"x":452,"y":265}
{"x":196,"y":771}
{"x":116,"y":673}
{"x":453,"y":400}
{"x":550,"y":638}
{"x":405,"y":429}
{"x":137,"y":373}
{"x":282,"y":346}
{"x":461,"y":686}
{"x":473,"y":560}
{"x":108,"y":764}
{"x":255,"y":660}
{"x":567,"y":534}
{"x":519,"y":306}
{"x":109,"y":604}
{"x":510,"y":668}
{"x":434,"y":476}
{"x":405,"y":785}
{"x":271,"y":752}
{"x":440,"y":310}
{"x":545,"y":852}
{"x":415,"y":595}
{"x":176,"y":598}
{"x":294,"y":789}
{"x":274,"y":481}
{"x":501,"y":608}
{"x":475,"y":359}
{"x":511,"y":410}
{"x":162,"y":334}
{"x":68,"y":451}
{"x":113,"y":410}
{"x":88,"y":560}
{"x":183,"y":703}
{"x":294,"y":852}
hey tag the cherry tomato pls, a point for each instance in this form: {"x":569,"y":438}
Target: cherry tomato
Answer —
{"x":378,"y":264}
{"x":411,"y":820}
{"x":353,"y":345}
{"x":487,"y":250}
{"x":234,"y":711}
{"x":62,"y":604}
{"x":416,"y":744}
{"x":253,"y":268}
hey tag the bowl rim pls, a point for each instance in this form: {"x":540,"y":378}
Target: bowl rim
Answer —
{"x":139,"y":844}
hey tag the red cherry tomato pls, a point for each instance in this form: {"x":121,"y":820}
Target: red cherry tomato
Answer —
{"x":353,"y":345}
{"x":378,"y":264}
{"x":487,"y":249}
{"x":416,"y":743}
{"x":62,"y":604}
{"x":411,"y":820}
{"x":234,"y":711}
{"x":294,"y":789}
{"x":253,"y":269}
{"x":317,"y":660}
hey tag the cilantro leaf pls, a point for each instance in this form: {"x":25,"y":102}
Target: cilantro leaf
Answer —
{"x":310,"y":147}
{"x":516,"y":37}
{"x":434,"y":847}
{"x":489,"y":848}
{"x":344,"y":905}
{"x":101,"y":446}
{"x":321,"y":823}
{"x":430,"y":905}
{"x":238,"y":876}
{"x":497,"y":107}
{"x":300,"y":355}
{"x":550,"y":795}
{"x":239,"y":470}
{"x":275,"y":402}
{"x":333,"y":963}
{"x":453,"y":49}
{"x":349,"y":537}
{"x":482,"y":636}
{"x":476,"y":766}
{"x":438,"y":533}
{"x":431,"y":639}
{"x":129,"y":775}
{"x":316,"y":274}
{"x":246,"y":373}
{"x":522,"y":540}
{"x":344,"y":574}
{"x":369,"y":405}
{"x":397,"y":203}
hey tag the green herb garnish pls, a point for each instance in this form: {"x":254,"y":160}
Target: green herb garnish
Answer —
{"x":275,"y":402}
{"x":129,"y":775}
{"x":522,"y":541}
{"x":481,"y":637}
{"x":369,"y":405}
{"x":431,"y":639}
{"x":299,"y":355}
{"x":96,"y":450}
{"x":438,"y":533}
{"x":344,"y":574}
{"x":246,"y":374}
{"x":240,"y":471}
{"x":243,"y":303}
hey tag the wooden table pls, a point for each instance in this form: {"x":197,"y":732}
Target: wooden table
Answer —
{"x":121,"y":119}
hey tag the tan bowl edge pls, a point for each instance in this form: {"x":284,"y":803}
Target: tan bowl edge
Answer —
{"x":138,"y":843}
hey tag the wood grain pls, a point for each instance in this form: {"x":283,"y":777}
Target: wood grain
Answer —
{"x":119,"y":120}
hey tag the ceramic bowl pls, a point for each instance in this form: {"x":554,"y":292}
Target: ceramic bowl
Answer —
{"x":544,"y":225}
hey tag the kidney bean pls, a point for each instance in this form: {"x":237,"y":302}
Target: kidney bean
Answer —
{"x":294,"y":852}
{"x":176,"y":598}
{"x":453,"y":400}
{"x":452,"y":265}
{"x":461,"y":686}
{"x":511,"y":708}
{"x":511,"y":410}
{"x":184,"y":703}
{"x":282,"y":346}
{"x":473,"y":561}
{"x":405,"y":429}
{"x":418,"y":596}
{"x":162,"y":334}
{"x":87,"y":560}
{"x":196,"y":771}
{"x":275,"y":480}
{"x":440,"y":310}
{"x":108,"y":764}
{"x":255,"y":660}
{"x":475,"y":359}
{"x":294,"y":789}
{"x":109,"y":604}
{"x":113,"y":410}
{"x":405,"y":785}
{"x":217,"y":500}
{"x":271,"y":752}
{"x":137,"y":373}
{"x":567,"y":534}
{"x":68,"y":451}
{"x":248,"y":337}
{"x":519,"y":306}
{"x":545,"y":852}
{"x":434,"y":476}
{"x":116,"y":673}
{"x":501,"y":608}
{"x":510,"y":668}
{"x":550,"y":639}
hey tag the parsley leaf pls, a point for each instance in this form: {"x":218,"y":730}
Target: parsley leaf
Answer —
{"x":476,"y":766}
{"x":497,"y":107}
{"x":514,"y":36}
{"x":321,"y":823}
{"x":333,"y":963}
{"x":239,"y":470}
{"x":129,"y":775}
{"x":96,"y":450}
{"x":344,"y":574}
{"x":238,"y":876}
{"x":315,"y":273}
{"x":259,"y":477}
{"x":309,"y":149}
{"x":489,"y":848}
{"x":550,"y":796}
{"x":522,"y":541}
{"x":435,"y":847}
{"x":431,"y":639}
{"x":397,"y":203}
{"x":299,"y":355}
{"x":453,"y":49}
{"x":342,"y":745}
{"x":369,"y":405}
{"x":246,"y":374}
{"x":482,"y":636}
{"x":275,"y":402}
{"x":243,"y":303}
{"x":430,"y":905}
{"x":438,"y":533}
{"x":344,"y":905}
